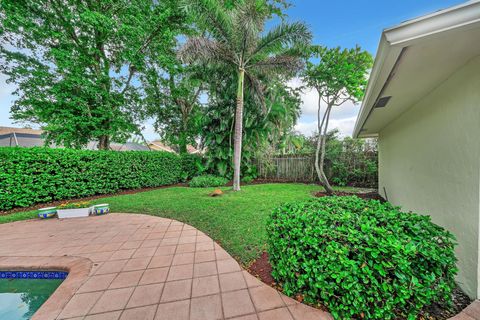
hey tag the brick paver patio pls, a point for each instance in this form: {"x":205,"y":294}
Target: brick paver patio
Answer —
{"x":126,"y":266}
{"x":130,"y":266}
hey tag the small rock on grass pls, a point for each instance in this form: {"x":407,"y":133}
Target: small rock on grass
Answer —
{"x":216,"y":193}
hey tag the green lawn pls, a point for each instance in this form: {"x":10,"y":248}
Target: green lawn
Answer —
{"x":236,"y":220}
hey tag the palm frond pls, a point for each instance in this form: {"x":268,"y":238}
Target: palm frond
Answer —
{"x":204,"y":50}
{"x":284,"y":35}
{"x":248,"y":21}
{"x":212,"y":14}
{"x":257,"y":90}
{"x":283,"y":64}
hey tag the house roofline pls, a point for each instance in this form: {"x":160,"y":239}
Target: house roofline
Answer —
{"x":395,"y":39}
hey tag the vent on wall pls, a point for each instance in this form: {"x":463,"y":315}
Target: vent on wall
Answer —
{"x":382,"y":102}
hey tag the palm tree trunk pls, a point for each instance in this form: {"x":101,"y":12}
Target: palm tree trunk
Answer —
{"x":237,"y":148}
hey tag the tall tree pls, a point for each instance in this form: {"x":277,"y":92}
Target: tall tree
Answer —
{"x":235,"y":41}
{"x":173,"y":100}
{"x":338,"y":76}
{"x":263,"y":127}
{"x":76,"y":63}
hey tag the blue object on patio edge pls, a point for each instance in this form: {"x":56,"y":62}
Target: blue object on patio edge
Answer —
{"x":33,"y":275}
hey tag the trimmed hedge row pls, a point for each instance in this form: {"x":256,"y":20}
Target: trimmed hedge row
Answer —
{"x":207,"y":181}
{"x":34,"y":175}
{"x":361,"y":259}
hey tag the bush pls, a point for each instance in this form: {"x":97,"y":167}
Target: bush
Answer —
{"x":35,"y":175}
{"x":192,"y":165}
{"x":361,"y":259}
{"x":208,"y":181}
{"x":247,"y":179}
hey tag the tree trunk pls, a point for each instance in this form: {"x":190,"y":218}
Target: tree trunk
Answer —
{"x":182,"y":144}
{"x":324,"y":180}
{"x":321,"y":142}
{"x":237,"y":148}
{"x":104,"y":143}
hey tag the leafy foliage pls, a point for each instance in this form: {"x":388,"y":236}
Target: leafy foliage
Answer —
{"x":348,"y":162}
{"x":173,"y":96}
{"x":338,"y":76}
{"x":260,"y":129}
{"x":352,"y":162}
{"x":192,"y":165}
{"x":235,"y":43}
{"x":361,"y":259}
{"x":294,"y":143}
{"x":76,"y":63}
{"x":208,"y":181}
{"x":36,"y":175}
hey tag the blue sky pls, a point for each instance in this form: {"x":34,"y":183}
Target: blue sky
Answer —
{"x":333,"y":23}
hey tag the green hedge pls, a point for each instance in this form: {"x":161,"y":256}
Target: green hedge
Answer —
{"x":207,"y":181}
{"x":361,"y":259}
{"x":34,"y":175}
{"x":192,"y":165}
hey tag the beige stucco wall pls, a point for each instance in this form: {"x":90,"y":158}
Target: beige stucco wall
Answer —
{"x":429,"y":161}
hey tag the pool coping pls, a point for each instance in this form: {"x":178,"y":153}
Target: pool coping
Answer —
{"x":78,"y":269}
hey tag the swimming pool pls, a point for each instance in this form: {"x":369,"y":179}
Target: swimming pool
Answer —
{"x":22,"y":293}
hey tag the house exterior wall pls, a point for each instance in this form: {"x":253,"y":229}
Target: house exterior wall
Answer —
{"x":429,"y":163}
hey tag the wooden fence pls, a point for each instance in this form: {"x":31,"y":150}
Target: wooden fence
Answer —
{"x":288,"y":168}
{"x":354,"y":169}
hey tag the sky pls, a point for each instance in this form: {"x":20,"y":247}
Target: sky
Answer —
{"x":333,"y":23}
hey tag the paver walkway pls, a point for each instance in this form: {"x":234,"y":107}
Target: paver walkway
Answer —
{"x":132,"y":266}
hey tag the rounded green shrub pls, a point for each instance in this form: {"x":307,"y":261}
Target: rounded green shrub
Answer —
{"x":361,"y":258}
{"x":207,"y":181}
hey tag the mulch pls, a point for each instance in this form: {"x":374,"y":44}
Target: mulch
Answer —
{"x":262,"y":269}
{"x":437,"y":312}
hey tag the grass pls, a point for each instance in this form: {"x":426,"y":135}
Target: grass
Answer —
{"x":236,"y":220}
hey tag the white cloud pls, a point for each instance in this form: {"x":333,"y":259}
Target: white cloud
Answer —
{"x":343,"y":118}
{"x":309,"y":127}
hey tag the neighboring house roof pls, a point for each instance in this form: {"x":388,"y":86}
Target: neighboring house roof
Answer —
{"x":192,"y":150}
{"x":8,"y":130}
{"x":21,"y":139}
{"x":11,"y":137}
{"x":25,"y":137}
{"x":128,"y":146}
{"x":160,"y":146}
{"x":414,"y":58}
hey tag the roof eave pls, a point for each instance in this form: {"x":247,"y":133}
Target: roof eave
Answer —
{"x":394,"y":39}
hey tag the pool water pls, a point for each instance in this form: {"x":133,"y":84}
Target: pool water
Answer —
{"x":20,"y":298}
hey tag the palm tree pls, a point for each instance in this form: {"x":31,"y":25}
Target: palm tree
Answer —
{"x":235,"y":40}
